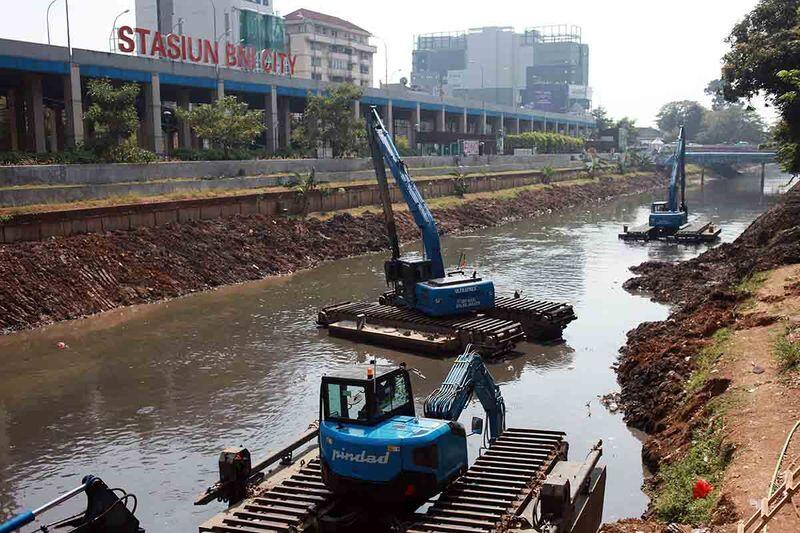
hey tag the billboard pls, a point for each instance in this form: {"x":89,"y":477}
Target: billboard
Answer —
{"x":551,"y":97}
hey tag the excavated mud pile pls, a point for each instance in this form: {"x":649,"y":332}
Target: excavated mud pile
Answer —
{"x":656,"y":361}
{"x":65,"y":278}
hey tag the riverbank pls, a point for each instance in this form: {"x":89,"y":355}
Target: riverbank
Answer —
{"x":71,"y":277}
{"x":714,"y":383}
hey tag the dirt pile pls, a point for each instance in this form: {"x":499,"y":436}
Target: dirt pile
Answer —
{"x":657,"y":360}
{"x":66,"y":278}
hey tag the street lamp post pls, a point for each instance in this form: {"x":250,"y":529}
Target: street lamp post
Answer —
{"x":69,"y":41}
{"x":47,"y":18}
{"x":114,"y":27}
{"x":385,"y":57}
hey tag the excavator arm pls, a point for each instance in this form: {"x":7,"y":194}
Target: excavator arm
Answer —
{"x":678,"y":176}
{"x":384,"y":151}
{"x":468,"y":376}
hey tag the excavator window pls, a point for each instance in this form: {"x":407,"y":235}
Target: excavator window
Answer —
{"x":347,"y":401}
{"x":391,"y":393}
{"x":367,"y":401}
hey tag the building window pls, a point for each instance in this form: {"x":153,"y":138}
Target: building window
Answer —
{"x":364,"y":69}
{"x":316,"y":61}
{"x":337,"y":79}
{"x":316,"y":76}
{"x":339,"y":64}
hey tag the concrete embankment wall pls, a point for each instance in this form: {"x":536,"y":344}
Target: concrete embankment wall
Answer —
{"x":42,"y":225}
{"x":54,"y":184}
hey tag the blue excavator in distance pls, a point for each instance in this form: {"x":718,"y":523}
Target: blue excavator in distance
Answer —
{"x":420,"y":283}
{"x":374,"y":446}
{"x":669,"y":216}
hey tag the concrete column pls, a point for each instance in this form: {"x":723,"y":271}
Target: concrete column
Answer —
{"x":220,"y":90}
{"x":416,"y":120}
{"x":502,"y":123}
{"x":532,"y":125}
{"x":441,"y":120}
{"x":35,"y":106}
{"x":544,"y":124}
{"x":73,"y":101}
{"x":515,"y":124}
{"x":184,"y":130}
{"x":14,"y":109}
{"x":285,"y":126}
{"x":152,"y":111}
{"x":59,"y":120}
{"x":357,"y":109}
{"x":464,"y":123}
{"x":271,"y":118}
{"x":483,"y":123}
{"x":53,"y":136}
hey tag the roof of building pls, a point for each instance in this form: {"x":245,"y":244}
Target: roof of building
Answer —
{"x":648,"y":132}
{"x":304,"y":13}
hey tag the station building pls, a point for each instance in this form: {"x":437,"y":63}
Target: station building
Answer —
{"x":43,"y":95}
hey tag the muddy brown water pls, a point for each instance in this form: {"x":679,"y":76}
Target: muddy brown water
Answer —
{"x":146,"y":397}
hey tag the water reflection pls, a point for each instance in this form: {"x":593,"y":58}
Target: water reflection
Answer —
{"x":146,"y":397}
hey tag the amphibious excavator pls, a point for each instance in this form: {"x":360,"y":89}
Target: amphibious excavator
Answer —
{"x":106,"y":511}
{"x":669,"y":220}
{"x":429,"y":309}
{"x":373,"y":464}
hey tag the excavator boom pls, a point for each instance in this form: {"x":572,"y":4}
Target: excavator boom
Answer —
{"x":468,"y":376}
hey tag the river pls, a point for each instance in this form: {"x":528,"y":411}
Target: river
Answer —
{"x":147,"y":396}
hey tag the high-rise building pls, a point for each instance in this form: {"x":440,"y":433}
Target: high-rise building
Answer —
{"x":329,"y":48}
{"x":246,"y":22}
{"x":545,"y":68}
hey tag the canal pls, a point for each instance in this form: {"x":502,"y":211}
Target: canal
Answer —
{"x":146,"y":397}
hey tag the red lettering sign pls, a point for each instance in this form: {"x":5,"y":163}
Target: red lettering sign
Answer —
{"x":197,"y":50}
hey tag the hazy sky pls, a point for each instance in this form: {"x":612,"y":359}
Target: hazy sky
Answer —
{"x":642,"y":53}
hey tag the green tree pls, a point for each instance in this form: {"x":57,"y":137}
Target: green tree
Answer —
{"x":112,"y":115}
{"x":764,"y":58}
{"x":227,"y":123}
{"x":714,"y":89}
{"x":732,"y":124}
{"x":601,"y":117}
{"x":329,"y":122}
{"x":685,"y":113}
{"x":630,"y":126}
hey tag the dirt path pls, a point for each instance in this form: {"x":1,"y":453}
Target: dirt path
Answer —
{"x":762,"y":406}
{"x":706,"y":384}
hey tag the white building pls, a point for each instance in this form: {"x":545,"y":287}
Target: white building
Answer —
{"x":329,"y":48}
{"x":247,"y":22}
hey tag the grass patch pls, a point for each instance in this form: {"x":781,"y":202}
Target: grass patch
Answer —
{"x":706,"y":359}
{"x":751,"y":283}
{"x":707,"y":458}
{"x":787,"y":351}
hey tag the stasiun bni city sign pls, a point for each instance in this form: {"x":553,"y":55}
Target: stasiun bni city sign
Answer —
{"x":181,"y":48}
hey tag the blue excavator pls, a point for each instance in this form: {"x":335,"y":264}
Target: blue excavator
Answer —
{"x":669,"y":220}
{"x":428,"y":309}
{"x":671,"y":215}
{"x":373,"y":445}
{"x":371,"y":463}
{"x":106,"y":511}
{"x":420,"y":283}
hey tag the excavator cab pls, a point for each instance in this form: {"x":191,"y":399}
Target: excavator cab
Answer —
{"x":373,"y":446}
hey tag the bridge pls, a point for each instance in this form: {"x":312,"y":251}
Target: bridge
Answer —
{"x":725,"y":155}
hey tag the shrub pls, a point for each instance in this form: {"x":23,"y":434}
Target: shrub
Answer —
{"x":547,"y":175}
{"x":545,"y":143}
{"x":787,"y":351}
{"x":707,"y":458}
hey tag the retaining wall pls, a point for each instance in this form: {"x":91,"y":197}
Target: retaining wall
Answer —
{"x":58,"y":193}
{"x":38,"y":226}
{"x":127,"y":173}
